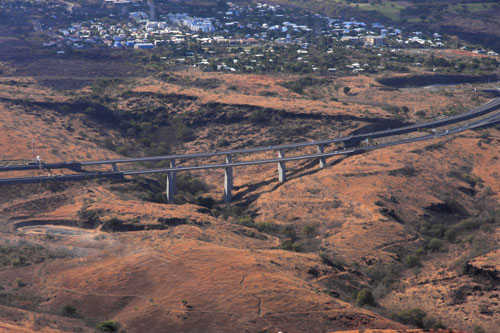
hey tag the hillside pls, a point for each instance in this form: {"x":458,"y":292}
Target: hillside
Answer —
{"x":416,"y":225}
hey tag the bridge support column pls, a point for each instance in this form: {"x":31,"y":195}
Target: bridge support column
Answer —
{"x":228,"y":180}
{"x":322,"y":160}
{"x":171,"y":184}
{"x":114,"y":167}
{"x":173,"y":177}
{"x":168,"y":191}
{"x":281,"y":166}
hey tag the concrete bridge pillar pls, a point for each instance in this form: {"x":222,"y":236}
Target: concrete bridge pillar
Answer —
{"x":171,"y":185}
{"x":173,"y":177}
{"x":228,"y":180}
{"x":281,"y":166}
{"x":322,"y":160}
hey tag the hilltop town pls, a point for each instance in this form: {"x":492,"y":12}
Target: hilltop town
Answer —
{"x":235,"y":38}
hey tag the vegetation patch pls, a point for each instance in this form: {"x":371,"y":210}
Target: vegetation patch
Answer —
{"x":20,"y":252}
{"x":210,"y":83}
{"x":304,"y":82}
{"x":365,"y":297}
{"x":108,"y":326}
{"x":427,"y":80}
{"x":417,"y":317}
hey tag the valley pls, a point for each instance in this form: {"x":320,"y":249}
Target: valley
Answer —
{"x":401,"y":238}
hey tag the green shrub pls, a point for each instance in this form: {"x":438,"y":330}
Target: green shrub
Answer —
{"x":412,"y":260}
{"x":336,"y":263}
{"x":260,"y":116}
{"x":122,"y":150}
{"x":464,"y":226}
{"x":300,"y":84}
{"x":289,"y":232}
{"x":451,"y":234}
{"x":268,"y":227}
{"x":365,"y":297}
{"x":187,"y":183}
{"x":183,"y":133}
{"x":385,"y":275}
{"x":236,"y":211}
{"x":108,"y":143}
{"x":414,"y":317}
{"x":88,"y":218}
{"x":437,"y":231}
{"x":435,"y":245}
{"x":246,"y":221}
{"x":420,"y":113}
{"x":108,"y":326}
{"x":420,"y":252}
{"x":468,"y":224}
{"x":309,"y":230}
{"x":290,"y":245}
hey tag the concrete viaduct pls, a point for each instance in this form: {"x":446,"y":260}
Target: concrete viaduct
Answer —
{"x":321,"y":155}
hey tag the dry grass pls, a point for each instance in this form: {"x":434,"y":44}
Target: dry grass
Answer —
{"x":213,"y":274}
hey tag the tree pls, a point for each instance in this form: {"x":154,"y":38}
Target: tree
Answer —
{"x":365,"y":297}
{"x":413,"y":317}
{"x":347,"y":90}
{"x":108,"y":326}
{"x":435,"y":245}
{"x":412,"y":260}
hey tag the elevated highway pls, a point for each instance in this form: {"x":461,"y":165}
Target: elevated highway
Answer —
{"x":281,"y":159}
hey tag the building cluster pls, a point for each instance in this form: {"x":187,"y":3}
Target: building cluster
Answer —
{"x":365,"y":40}
{"x":81,"y":35}
{"x":417,"y":39}
{"x":195,"y":24}
{"x":138,"y":32}
{"x":239,"y":24}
